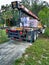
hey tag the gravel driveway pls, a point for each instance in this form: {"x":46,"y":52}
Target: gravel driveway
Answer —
{"x":11,"y":50}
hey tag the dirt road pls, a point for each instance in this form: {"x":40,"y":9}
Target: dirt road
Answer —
{"x":11,"y":50}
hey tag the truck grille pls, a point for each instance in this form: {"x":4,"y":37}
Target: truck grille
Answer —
{"x":13,"y":34}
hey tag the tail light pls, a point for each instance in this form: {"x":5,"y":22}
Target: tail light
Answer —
{"x":6,"y":30}
{"x":21,"y":33}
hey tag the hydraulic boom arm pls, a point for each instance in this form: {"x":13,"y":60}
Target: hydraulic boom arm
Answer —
{"x":17,"y":5}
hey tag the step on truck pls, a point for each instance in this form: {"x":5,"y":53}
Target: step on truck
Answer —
{"x":28,"y":26}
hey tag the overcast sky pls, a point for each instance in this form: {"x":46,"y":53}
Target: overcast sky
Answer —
{"x":3,"y":2}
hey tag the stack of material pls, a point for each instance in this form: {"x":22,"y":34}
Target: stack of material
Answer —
{"x":29,"y":22}
{"x":33,"y":23}
{"x":25,"y":21}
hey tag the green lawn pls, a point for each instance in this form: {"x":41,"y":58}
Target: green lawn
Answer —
{"x":3,"y":36}
{"x":37,"y":54}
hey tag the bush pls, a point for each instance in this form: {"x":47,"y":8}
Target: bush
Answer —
{"x":46,"y":34}
{"x":3,"y":36}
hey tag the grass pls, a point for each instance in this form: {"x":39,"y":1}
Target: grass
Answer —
{"x":3,"y":36}
{"x":37,"y":54}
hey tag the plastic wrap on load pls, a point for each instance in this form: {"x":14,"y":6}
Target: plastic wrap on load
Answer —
{"x":29,"y":22}
{"x":33,"y":23}
{"x":25,"y":21}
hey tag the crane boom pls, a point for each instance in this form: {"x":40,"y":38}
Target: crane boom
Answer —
{"x":17,"y":5}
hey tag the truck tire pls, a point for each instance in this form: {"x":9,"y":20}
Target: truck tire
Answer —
{"x":34,"y":37}
{"x":37,"y":35}
{"x":43,"y":31}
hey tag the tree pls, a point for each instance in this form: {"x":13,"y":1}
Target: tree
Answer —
{"x":44,"y":16}
{"x":38,"y":5}
{"x":6,"y":12}
{"x":2,"y":7}
{"x":26,"y":3}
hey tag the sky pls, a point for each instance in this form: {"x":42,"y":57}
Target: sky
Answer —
{"x":4,"y":2}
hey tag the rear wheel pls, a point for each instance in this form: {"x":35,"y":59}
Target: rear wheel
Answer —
{"x":43,"y":31}
{"x":34,"y":37}
{"x":37,"y":35}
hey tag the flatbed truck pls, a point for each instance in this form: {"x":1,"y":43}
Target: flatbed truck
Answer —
{"x":26,"y":33}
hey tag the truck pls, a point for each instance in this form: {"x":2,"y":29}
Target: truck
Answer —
{"x":28,"y":26}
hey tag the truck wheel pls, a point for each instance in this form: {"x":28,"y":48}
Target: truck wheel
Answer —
{"x":43,"y":31}
{"x":37,"y":35}
{"x":34,"y":37}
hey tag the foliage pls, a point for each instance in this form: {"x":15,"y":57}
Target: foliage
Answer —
{"x":1,"y":21}
{"x":38,"y":5}
{"x":3,"y":37}
{"x":46,"y":34}
{"x":35,"y":5}
{"x":26,"y":3}
{"x":9,"y":13}
{"x":6,"y":14}
{"x":44,"y":16}
{"x":16,"y":15}
{"x":32,"y":5}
